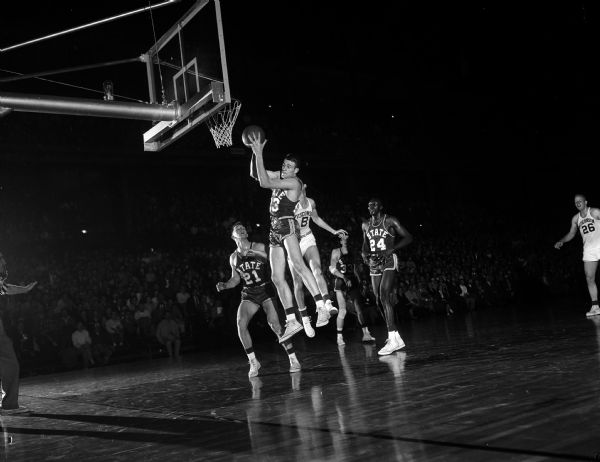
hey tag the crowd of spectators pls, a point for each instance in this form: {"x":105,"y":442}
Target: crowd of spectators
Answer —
{"x":148,"y":289}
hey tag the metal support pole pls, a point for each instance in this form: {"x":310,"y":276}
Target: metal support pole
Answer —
{"x":86,"y":107}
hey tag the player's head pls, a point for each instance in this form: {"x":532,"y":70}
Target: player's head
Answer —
{"x":290,"y":166}
{"x":238,"y":231}
{"x":580,"y":202}
{"x":375,"y":206}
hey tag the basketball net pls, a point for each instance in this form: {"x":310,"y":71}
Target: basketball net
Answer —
{"x":221,"y":123}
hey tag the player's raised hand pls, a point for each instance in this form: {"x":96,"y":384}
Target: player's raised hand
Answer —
{"x":558,"y":245}
{"x":256,"y":144}
{"x":220,"y":286}
{"x":341,"y":233}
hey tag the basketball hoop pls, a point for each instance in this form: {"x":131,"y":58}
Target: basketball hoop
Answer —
{"x":221,"y":123}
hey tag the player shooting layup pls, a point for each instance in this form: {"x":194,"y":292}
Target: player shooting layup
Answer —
{"x":283,"y":235}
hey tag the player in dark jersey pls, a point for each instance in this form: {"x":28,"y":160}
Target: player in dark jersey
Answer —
{"x":379,"y":245}
{"x":283,"y":236}
{"x":347,"y":286}
{"x":249,"y":266}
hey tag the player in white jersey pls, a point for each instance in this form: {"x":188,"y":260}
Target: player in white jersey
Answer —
{"x":587,"y":220}
{"x":305,"y":211}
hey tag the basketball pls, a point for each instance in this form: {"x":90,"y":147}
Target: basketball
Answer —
{"x":254,"y":130}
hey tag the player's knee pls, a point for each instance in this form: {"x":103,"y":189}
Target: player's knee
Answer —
{"x":342,"y":312}
{"x":590,"y":278}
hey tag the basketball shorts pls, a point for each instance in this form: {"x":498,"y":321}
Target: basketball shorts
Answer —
{"x":591,"y":253}
{"x":307,"y":241}
{"x":281,"y":228}
{"x":340,"y":286}
{"x":378,"y":264}
{"x":259,"y":294}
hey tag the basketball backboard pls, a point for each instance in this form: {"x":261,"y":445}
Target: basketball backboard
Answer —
{"x":188,"y":66}
{"x":186,"y":71}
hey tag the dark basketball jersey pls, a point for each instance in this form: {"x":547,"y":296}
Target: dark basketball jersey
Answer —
{"x":281,"y":206}
{"x":345,"y":264}
{"x":253,"y":270}
{"x":378,"y":237}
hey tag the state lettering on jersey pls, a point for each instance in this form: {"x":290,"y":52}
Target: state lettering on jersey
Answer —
{"x":250,"y":265}
{"x":377,"y":232}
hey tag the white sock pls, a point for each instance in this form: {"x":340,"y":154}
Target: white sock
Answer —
{"x":320,"y":304}
{"x":290,"y":317}
{"x":292,"y":356}
{"x":251,"y":356}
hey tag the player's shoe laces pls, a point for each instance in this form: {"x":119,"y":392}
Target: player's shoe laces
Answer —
{"x":295,"y":365}
{"x":292,"y":327}
{"x":367,"y":337}
{"x":594,"y":311}
{"x":323,"y":317}
{"x":308,"y":328}
{"x":340,"y":340}
{"x":254,"y":367}
{"x":330,"y":308}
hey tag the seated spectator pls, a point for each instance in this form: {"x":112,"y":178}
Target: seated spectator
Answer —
{"x":102,"y":347}
{"x":114,"y":327}
{"x":83,"y":344}
{"x":143,"y":318}
{"x":168,"y":334}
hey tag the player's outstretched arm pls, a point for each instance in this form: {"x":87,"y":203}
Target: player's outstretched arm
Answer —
{"x":12,"y":289}
{"x":254,"y":169}
{"x":233,"y":281}
{"x":321,"y":223}
{"x":269,"y":180}
{"x":570,"y":235}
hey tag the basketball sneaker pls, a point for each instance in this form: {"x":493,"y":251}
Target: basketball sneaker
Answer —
{"x":391,"y":345}
{"x":308,"y":328}
{"x":594,"y":311}
{"x":323,"y":317}
{"x":399,"y":340}
{"x":330,"y":308}
{"x":292,"y":327}
{"x":340,"y":339}
{"x":294,"y":364}
{"x":254,"y":367}
{"x":367,"y":337}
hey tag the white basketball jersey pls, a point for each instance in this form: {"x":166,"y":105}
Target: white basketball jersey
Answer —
{"x":302,"y":215}
{"x":589,"y":227}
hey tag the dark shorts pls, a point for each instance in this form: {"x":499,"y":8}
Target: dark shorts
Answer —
{"x":258,"y":294}
{"x":282,"y":228}
{"x":353,"y":294}
{"x":378,"y":264}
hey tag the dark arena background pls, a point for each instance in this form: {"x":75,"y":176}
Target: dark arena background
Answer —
{"x":476,"y":125}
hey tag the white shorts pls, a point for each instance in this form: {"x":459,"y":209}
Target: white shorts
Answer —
{"x":306,"y":242}
{"x":591,"y":254}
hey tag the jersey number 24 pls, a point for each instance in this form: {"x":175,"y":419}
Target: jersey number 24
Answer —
{"x":380,"y":245}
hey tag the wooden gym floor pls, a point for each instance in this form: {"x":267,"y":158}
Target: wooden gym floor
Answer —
{"x":502,"y":384}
